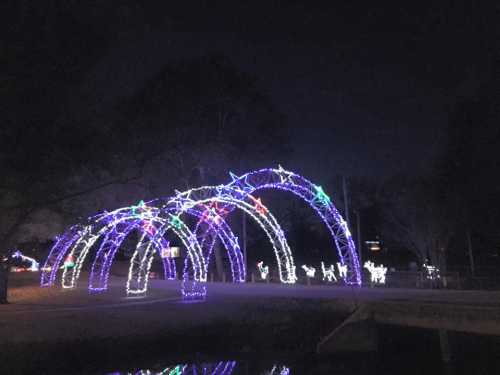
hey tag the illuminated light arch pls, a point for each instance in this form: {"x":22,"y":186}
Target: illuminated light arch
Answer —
{"x":114,"y":233}
{"x":121,"y":223}
{"x":316,"y":198}
{"x":236,"y":194}
{"x":140,"y":262}
{"x":57,"y":253}
{"x":228,"y":196}
{"x":80,"y":240}
{"x":101,"y":266}
{"x":219,"y":229}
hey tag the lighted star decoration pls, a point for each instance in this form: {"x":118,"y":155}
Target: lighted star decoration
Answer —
{"x":176,"y":222}
{"x":69,"y":262}
{"x":321,"y":196}
{"x":138,"y":207}
{"x":259,"y":207}
{"x":148,"y":227}
{"x":285,"y":176}
{"x":222,"y":211}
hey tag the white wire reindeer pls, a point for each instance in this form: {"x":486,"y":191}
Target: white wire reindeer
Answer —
{"x":377,"y":273}
{"x":310,"y":271}
{"x":342,"y":270}
{"x":264,"y":270}
{"x":328,"y":273}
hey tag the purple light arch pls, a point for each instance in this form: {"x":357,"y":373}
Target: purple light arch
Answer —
{"x":158,"y":216}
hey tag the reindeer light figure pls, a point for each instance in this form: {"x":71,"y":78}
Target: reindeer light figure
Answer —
{"x":432,"y":272}
{"x":342,"y":270}
{"x":328,"y":273}
{"x":310,"y":271}
{"x":264,"y":270}
{"x":377,"y":273}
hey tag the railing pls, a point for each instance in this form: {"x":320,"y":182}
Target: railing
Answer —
{"x":394,"y":279}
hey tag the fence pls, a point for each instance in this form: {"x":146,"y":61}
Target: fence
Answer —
{"x":394,"y":279}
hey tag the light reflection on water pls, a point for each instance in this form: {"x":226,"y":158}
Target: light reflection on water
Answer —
{"x":213,"y":368}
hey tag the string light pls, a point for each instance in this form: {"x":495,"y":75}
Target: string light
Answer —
{"x":264,"y":270}
{"x":34,"y":265}
{"x":210,"y":204}
{"x":321,"y":196}
{"x":342,"y":268}
{"x":310,"y":271}
{"x":281,"y":370}
{"x":316,"y":197}
{"x":432,"y":272}
{"x":328,"y":273}
{"x":377,"y":273}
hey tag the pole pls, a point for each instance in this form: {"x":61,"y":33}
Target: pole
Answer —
{"x":244,"y":234}
{"x":471,"y":255}
{"x":346,"y":203}
{"x":358,"y":228}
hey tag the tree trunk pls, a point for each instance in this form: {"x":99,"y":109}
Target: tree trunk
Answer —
{"x":4,"y":279}
{"x":218,"y":260}
{"x":471,"y":255}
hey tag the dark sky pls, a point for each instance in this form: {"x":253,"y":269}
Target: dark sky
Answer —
{"x":365,"y":90}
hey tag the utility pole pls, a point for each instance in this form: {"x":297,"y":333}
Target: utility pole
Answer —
{"x":471,"y":256}
{"x":358,"y":229}
{"x":244,"y":235}
{"x":346,"y":202}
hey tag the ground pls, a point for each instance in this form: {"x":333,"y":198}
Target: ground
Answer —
{"x":37,"y":314}
{"x":83,"y":329}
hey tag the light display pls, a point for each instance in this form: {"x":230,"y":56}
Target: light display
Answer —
{"x":34,"y":265}
{"x":310,"y":271}
{"x":431,"y":272}
{"x":69,"y":261}
{"x":215,"y":368}
{"x":342,"y":268}
{"x":377,"y":273}
{"x":56,"y":254}
{"x":264,"y":270}
{"x":211,"y":205}
{"x":259,"y":207}
{"x":233,"y":197}
{"x":316,"y":197}
{"x":328,"y":273}
{"x":321,"y":196}
{"x":279,"y":370}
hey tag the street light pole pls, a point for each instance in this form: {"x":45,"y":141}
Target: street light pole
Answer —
{"x":358,"y":228}
{"x":244,"y":235}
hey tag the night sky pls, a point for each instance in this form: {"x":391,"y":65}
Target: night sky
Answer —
{"x":366,"y":91}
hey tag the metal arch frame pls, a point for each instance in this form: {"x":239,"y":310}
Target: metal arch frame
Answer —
{"x":104,"y":258}
{"x":59,"y":249}
{"x":101,"y":266}
{"x":112,"y":241}
{"x":140,"y":265}
{"x":282,"y":179}
{"x":231,"y":195}
{"x":228,"y":196}
{"x":87,"y":236}
{"x":203,"y":197}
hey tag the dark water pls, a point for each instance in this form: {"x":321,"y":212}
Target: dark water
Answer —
{"x":401,"y":351}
